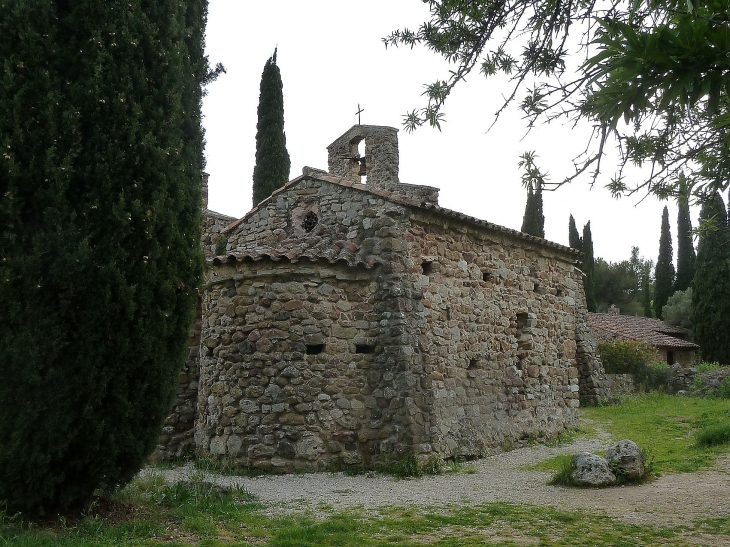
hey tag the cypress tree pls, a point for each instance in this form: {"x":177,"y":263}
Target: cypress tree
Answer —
{"x":711,"y":284}
{"x":539,"y":214}
{"x":664,"y":271}
{"x":574,"y":238}
{"x":529,"y":215}
{"x":588,"y":269}
{"x":646,"y":292}
{"x":685,"y":249}
{"x":102,"y":147}
{"x":272,"y":159}
{"x":533,"y":221}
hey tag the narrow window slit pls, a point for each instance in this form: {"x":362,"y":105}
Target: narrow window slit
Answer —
{"x":314,"y":349}
{"x":364,"y":348}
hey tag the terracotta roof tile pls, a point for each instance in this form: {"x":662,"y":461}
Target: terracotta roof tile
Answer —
{"x":645,"y":329}
{"x":347,"y":252}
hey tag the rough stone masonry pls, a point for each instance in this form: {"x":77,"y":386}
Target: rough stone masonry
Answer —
{"x":349,"y":320}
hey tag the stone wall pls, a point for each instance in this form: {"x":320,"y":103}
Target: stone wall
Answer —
{"x":684,"y":356}
{"x":682,"y":379}
{"x":292,"y":368}
{"x":176,"y":441}
{"x":592,"y":382}
{"x":619,"y":384}
{"x":380,"y":154}
{"x":342,"y":325}
{"x":496,"y":324}
{"x":213,"y":224}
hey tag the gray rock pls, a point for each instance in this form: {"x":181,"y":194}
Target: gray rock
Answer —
{"x":629,"y":458}
{"x":591,"y":470}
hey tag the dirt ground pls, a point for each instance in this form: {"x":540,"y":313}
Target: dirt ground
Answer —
{"x":667,"y":501}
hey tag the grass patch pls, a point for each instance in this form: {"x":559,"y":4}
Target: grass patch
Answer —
{"x":449,"y":526}
{"x":563,"y":470}
{"x":150,"y":513}
{"x":713,"y":435}
{"x":707,"y":367}
{"x":668,"y":425}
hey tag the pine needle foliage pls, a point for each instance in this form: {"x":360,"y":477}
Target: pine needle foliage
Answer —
{"x":711,"y":283}
{"x":272,"y":159}
{"x":664,"y":271}
{"x":102,"y":154}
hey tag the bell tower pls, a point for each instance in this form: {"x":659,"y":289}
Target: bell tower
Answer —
{"x":379,"y":161}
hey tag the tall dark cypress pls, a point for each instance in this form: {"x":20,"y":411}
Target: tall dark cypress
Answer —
{"x":574,"y":238}
{"x":533,"y":221}
{"x":711,"y":284}
{"x":102,"y":154}
{"x":272,"y":159}
{"x":664,"y":271}
{"x":685,"y":248}
{"x":589,"y":283}
{"x":646,"y":292}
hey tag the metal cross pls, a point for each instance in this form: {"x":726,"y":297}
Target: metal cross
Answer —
{"x":359,"y":110}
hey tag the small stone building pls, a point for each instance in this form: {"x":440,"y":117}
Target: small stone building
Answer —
{"x":669,"y":340}
{"x":351,"y":316}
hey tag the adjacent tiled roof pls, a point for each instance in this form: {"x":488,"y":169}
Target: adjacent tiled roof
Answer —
{"x":645,"y":329}
{"x":346,"y":251}
{"x":333,"y":254}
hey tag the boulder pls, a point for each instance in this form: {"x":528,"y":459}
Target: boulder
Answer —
{"x":591,"y":470}
{"x":629,"y":459}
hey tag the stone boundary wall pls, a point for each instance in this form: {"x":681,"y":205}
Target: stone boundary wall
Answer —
{"x":619,"y":384}
{"x":681,"y":378}
{"x":592,"y":382}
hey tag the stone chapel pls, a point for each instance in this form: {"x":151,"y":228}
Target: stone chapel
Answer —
{"x":341,"y":321}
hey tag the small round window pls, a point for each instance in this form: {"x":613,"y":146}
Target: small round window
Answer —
{"x":310,"y":221}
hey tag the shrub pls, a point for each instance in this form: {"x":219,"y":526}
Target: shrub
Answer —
{"x":678,"y":309}
{"x":707,"y":367}
{"x":713,"y":435}
{"x":723,"y":390}
{"x":636,"y":358}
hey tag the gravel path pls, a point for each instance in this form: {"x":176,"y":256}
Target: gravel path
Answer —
{"x":670,"y":500}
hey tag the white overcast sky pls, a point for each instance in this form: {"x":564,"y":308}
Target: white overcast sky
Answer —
{"x":331,"y":58}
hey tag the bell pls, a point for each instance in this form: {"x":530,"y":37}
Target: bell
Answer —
{"x":363,"y":168}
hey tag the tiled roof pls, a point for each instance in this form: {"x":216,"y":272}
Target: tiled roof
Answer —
{"x":323,"y":248}
{"x":346,"y":254}
{"x":645,"y":329}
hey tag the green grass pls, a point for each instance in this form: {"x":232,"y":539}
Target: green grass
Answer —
{"x":707,"y":367}
{"x":682,"y":434}
{"x":666,"y":425}
{"x":199,"y":513}
{"x":230,"y":521}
